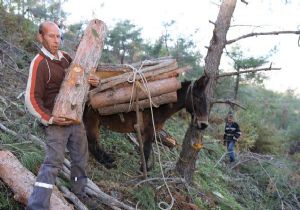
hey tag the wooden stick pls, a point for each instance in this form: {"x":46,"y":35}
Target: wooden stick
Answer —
{"x":173,"y":73}
{"x":247,"y":71}
{"x":138,"y":126}
{"x":124,"y":95}
{"x":148,"y":72}
{"x":21,"y":181}
{"x":159,"y":65}
{"x":93,"y":190}
{"x":71,"y":196}
{"x":66,"y":173}
{"x":119,"y":108}
{"x":260,"y":34}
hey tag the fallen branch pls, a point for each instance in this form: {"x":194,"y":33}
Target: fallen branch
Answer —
{"x":169,"y":179}
{"x":260,"y":34}
{"x":280,"y":197}
{"x":94,"y":189}
{"x":21,"y":181}
{"x":246,"y":71}
{"x":250,"y":156}
{"x":227,"y":101}
{"x":71,"y":196}
{"x":145,"y":103}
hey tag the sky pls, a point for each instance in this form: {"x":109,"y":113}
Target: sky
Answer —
{"x":192,"y":18}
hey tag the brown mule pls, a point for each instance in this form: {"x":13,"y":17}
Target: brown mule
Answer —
{"x":190,"y":96}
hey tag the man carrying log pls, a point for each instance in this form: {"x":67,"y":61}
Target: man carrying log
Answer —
{"x":47,"y":72}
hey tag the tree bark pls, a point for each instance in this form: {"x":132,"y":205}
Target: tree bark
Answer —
{"x":217,"y":44}
{"x":123,"y":95}
{"x":188,"y":155}
{"x":148,"y":71}
{"x":74,"y":89}
{"x":169,"y":74}
{"x":119,"y":108}
{"x":21,"y":181}
{"x":237,"y":84}
{"x":212,"y":62}
{"x":104,"y":71}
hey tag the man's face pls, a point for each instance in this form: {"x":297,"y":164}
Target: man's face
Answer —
{"x":50,"y":38}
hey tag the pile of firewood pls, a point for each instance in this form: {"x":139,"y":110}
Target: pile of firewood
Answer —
{"x":122,"y":85}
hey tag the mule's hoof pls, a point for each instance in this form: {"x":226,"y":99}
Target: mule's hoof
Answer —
{"x":110,"y":165}
{"x":107,"y":160}
{"x":148,"y":169}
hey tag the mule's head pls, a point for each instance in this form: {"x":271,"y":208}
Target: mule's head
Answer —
{"x":196,"y":103}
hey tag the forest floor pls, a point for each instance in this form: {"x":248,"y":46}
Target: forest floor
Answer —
{"x":255,"y":181}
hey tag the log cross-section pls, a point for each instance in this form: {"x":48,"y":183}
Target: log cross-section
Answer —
{"x":74,"y":89}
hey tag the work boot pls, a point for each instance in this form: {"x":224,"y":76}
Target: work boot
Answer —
{"x":89,"y":202}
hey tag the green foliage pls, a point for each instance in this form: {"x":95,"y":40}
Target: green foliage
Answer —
{"x":247,"y":121}
{"x":269,"y":125}
{"x":213,"y":180}
{"x":145,"y":197}
{"x":6,"y":199}
{"x":185,"y":53}
{"x":123,"y":44}
{"x":17,"y":29}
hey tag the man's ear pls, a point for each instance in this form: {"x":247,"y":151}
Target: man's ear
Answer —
{"x":39,"y":38}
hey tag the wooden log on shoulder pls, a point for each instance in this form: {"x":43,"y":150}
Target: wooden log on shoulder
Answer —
{"x":74,"y":89}
{"x":21,"y":181}
{"x":119,"y":108}
{"x":123,"y":95}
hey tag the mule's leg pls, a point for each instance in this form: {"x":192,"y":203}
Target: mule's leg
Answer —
{"x":91,"y":122}
{"x":148,"y":140}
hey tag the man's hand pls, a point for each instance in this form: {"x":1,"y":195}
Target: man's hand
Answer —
{"x":93,"y":80}
{"x":61,"y":121}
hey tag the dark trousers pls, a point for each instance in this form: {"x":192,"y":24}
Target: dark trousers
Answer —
{"x":58,"y":138}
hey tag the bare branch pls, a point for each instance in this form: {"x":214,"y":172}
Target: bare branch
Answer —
{"x":71,"y":196}
{"x":210,"y":21}
{"x":93,"y":188}
{"x":262,"y":33}
{"x":247,"y":71}
{"x":227,"y":101}
{"x":245,"y":25}
{"x":245,"y":2}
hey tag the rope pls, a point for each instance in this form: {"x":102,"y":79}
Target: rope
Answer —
{"x":145,"y":85}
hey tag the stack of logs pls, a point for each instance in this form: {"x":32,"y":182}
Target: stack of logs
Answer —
{"x":155,"y":79}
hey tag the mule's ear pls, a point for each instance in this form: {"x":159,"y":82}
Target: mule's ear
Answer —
{"x":202,"y":81}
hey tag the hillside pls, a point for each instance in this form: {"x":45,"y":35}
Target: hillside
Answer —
{"x":266,"y":174}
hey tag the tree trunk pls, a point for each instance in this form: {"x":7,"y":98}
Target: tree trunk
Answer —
{"x":217,"y":44}
{"x":123,"y":95}
{"x":237,"y":84}
{"x":119,"y":108}
{"x":21,"y":181}
{"x":74,"y":89}
{"x":188,"y":155}
{"x":212,"y":62}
